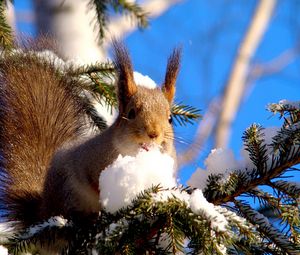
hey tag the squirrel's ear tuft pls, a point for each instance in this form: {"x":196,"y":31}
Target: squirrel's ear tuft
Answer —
{"x":126,"y":85}
{"x":171,"y":75}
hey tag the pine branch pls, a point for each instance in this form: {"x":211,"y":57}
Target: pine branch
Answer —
{"x":287,"y":139}
{"x":96,"y":81}
{"x":184,"y":114}
{"x":6,"y":37}
{"x":285,"y":107}
{"x":280,"y":241}
{"x":138,"y":228}
{"x":291,"y":113}
{"x":280,"y":207}
{"x":244,"y":246}
{"x":106,"y":68}
{"x":132,"y":9}
{"x":134,"y":229}
{"x":101,"y":16}
{"x":289,"y":188}
{"x":269,"y":205}
{"x":96,"y":120}
{"x":244,"y":184}
{"x":242,"y":181}
{"x":119,"y":6}
{"x":254,"y":144}
{"x":175,"y":235}
{"x":43,"y":234}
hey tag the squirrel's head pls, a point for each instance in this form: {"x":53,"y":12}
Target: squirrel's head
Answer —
{"x":144,"y":114}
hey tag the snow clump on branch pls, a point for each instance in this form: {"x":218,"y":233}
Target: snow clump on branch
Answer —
{"x":222,"y":161}
{"x":128,"y":176}
{"x":219,"y":161}
{"x":3,"y":250}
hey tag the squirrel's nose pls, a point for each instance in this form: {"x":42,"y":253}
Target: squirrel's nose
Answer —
{"x":153,"y":134}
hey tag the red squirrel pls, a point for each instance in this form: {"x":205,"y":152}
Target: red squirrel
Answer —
{"x":48,"y":169}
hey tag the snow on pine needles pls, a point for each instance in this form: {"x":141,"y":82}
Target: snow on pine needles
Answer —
{"x":129,"y":176}
{"x":222,"y":161}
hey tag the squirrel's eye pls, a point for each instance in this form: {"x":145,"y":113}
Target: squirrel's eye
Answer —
{"x":170,"y":119}
{"x":131,"y":114}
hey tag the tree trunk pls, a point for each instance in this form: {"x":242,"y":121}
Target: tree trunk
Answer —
{"x":70,"y":24}
{"x":237,"y":80}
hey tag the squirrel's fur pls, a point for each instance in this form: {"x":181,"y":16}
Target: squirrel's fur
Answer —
{"x":47,"y":168}
{"x":36,"y":105}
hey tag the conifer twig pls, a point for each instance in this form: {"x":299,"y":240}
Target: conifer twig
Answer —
{"x":271,"y":174}
{"x":6,"y":37}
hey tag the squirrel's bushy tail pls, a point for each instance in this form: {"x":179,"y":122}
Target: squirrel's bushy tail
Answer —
{"x":39,"y":112}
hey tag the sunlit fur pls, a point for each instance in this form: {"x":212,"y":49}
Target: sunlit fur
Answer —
{"x":39,"y":113}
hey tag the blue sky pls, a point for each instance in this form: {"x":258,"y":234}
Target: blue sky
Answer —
{"x":210,"y":32}
{"x":190,"y":25}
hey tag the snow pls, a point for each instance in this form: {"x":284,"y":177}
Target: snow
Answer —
{"x":46,"y":55}
{"x":222,"y":249}
{"x":105,"y":112}
{"x":295,"y":104}
{"x":283,"y":105}
{"x":199,"y":178}
{"x":51,"y":57}
{"x":165,"y":195}
{"x":223,"y":161}
{"x":219,"y":161}
{"x":199,"y":205}
{"x":144,"y":80}
{"x":56,"y":221}
{"x":232,"y":216}
{"x":3,"y":250}
{"x":128,"y":176}
{"x":6,"y":230}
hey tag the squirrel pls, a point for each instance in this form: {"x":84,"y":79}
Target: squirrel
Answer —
{"x":47,"y":168}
